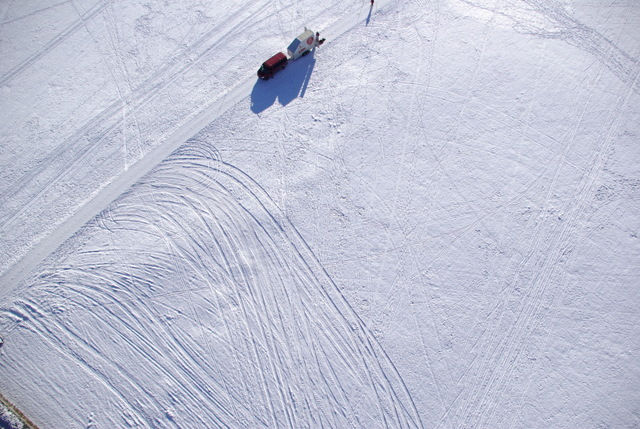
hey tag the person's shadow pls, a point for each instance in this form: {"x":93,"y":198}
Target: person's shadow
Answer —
{"x":285,"y":85}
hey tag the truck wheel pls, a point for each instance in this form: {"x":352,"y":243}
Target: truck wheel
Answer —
{"x":305,"y":53}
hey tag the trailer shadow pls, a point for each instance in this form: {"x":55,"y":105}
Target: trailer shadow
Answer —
{"x":285,"y":86}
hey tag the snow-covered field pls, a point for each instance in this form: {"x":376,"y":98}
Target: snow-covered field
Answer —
{"x":432,"y":221}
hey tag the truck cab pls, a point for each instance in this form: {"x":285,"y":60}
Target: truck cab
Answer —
{"x":272,"y":65}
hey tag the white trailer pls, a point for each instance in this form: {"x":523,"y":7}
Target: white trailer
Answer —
{"x":304,"y":43}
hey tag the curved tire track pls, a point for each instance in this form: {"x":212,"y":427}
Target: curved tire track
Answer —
{"x":288,"y":349}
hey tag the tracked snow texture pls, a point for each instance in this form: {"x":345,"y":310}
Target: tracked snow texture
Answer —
{"x":256,"y":338}
{"x":430,"y":221}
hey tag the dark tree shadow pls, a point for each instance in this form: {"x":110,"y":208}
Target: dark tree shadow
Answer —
{"x":285,"y":86}
{"x":369,"y":16}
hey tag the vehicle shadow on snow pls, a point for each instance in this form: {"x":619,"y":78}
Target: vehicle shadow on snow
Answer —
{"x":285,"y":86}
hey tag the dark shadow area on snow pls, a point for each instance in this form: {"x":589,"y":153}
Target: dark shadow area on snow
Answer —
{"x":369,"y":16}
{"x":285,"y":85}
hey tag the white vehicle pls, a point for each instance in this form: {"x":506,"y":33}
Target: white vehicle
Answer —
{"x":304,"y":43}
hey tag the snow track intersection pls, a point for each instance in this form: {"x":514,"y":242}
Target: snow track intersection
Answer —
{"x":431,"y":222}
{"x":248,"y":329}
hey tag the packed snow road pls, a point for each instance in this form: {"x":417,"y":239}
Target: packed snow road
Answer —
{"x":163,"y":82}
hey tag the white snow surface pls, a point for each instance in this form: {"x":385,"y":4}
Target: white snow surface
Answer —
{"x":433,"y":221}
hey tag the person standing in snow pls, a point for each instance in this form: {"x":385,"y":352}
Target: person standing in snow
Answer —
{"x":371,"y":3}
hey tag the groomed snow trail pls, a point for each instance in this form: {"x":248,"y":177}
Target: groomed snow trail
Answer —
{"x":46,"y":205}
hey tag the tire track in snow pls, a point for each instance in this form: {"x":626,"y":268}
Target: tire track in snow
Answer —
{"x":586,"y":38}
{"x":56,"y":41}
{"x":140,"y":339}
{"x":52,"y":334}
{"x":88,"y":142}
{"x":73,"y":151}
{"x":288,"y":349}
{"x":548,"y":19}
{"x":95,"y":144}
{"x":478,"y":404}
{"x":541,"y":238}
